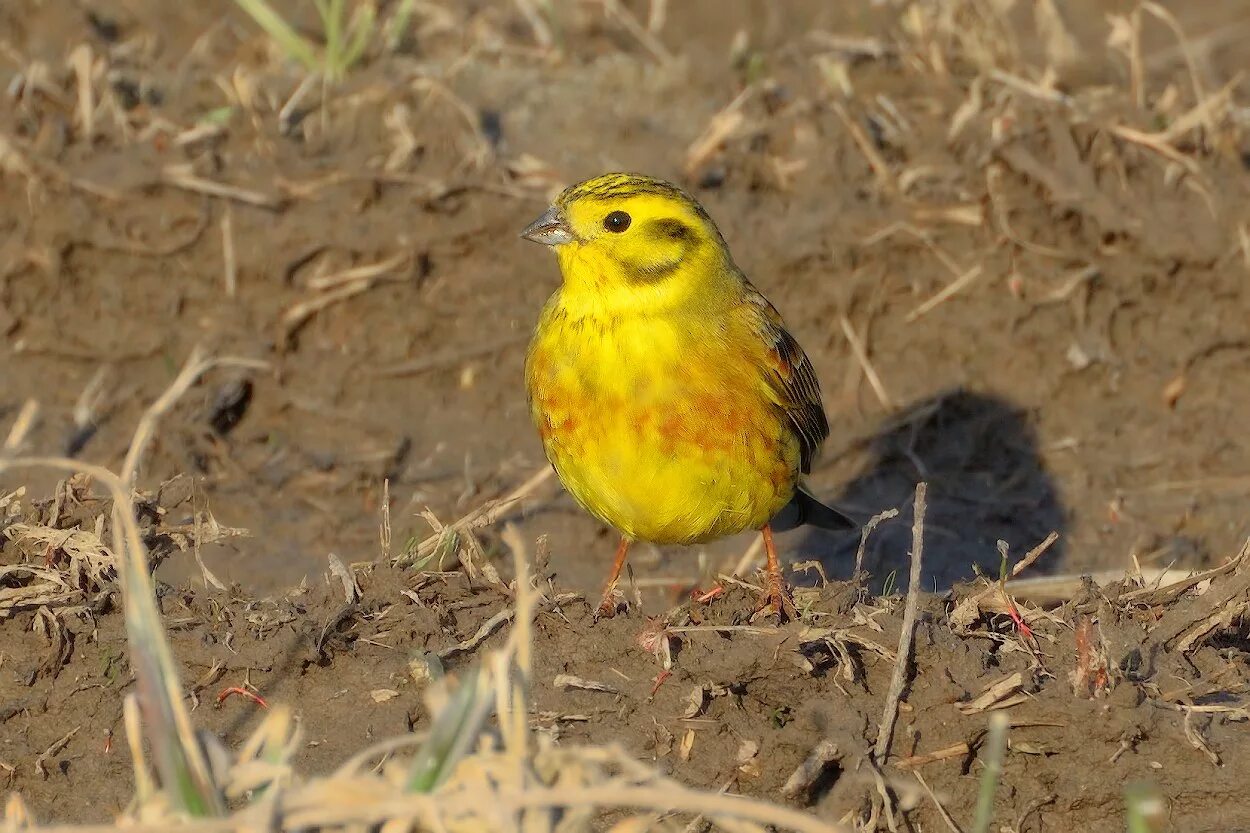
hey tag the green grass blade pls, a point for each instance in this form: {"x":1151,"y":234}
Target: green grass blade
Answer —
{"x":397,"y":26}
{"x":995,"y":747}
{"x":144,"y":787}
{"x":331,"y":12}
{"x":455,"y":728}
{"x":361,"y":30}
{"x":1143,"y":808}
{"x":179,"y":760}
{"x":290,"y":41}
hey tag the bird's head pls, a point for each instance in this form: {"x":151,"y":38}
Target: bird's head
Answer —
{"x":633,"y":237}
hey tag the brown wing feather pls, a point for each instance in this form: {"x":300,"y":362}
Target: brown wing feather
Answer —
{"x":793,"y":380}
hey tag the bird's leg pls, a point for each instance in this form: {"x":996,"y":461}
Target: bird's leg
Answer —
{"x":607,"y":606}
{"x":777,"y":596}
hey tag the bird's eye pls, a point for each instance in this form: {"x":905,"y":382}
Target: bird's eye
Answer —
{"x":616,"y":222}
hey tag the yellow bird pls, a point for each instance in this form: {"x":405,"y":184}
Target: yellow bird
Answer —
{"x":671,"y":400}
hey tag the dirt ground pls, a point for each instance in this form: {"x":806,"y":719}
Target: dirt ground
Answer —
{"x":1017,"y":252}
{"x":1121,"y":685}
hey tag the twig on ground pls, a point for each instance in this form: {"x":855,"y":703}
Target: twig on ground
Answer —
{"x":298,"y":315}
{"x":1158,"y":145}
{"x":887,"y":802}
{"x":569,"y":682}
{"x":81,"y":59}
{"x":969,"y":608}
{"x":946,"y":293}
{"x":52,"y":750}
{"x":946,"y":817}
{"x":484,"y":630}
{"x":865,"y":531}
{"x":537,"y":23}
{"x":488,"y":513}
{"x":1157,"y":594}
{"x":369,"y":271}
{"x":946,"y":753}
{"x":617,"y":12}
{"x":861,"y":356}
{"x":810,"y":770}
{"x":225,"y":693}
{"x":1029,"y":88}
{"x":890,"y":715}
{"x":1185,"y":627}
{"x":723,"y":125}
{"x":195,"y":367}
{"x":22,"y":425}
{"x":180,"y":177}
{"x":880,"y":168}
{"x":230,"y":268}
{"x":498,"y":620}
{"x":1196,"y":740}
{"x":925,"y":239}
{"x":1182,"y":42}
{"x":1001,"y":694}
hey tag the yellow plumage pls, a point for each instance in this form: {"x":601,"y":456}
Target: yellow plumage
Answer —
{"x":670,"y":399}
{"x":662,"y":427}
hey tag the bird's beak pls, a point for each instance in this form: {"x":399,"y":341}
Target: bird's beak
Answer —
{"x":551,"y":229}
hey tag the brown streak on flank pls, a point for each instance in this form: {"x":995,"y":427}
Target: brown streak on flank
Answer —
{"x":672,"y":428}
{"x":673,"y":433}
{"x":726,"y":417}
{"x":711,"y":441}
{"x":780,"y":477}
{"x":540,"y":373}
{"x":713,"y":424}
{"x":613,"y":404}
{"x":550,"y":400}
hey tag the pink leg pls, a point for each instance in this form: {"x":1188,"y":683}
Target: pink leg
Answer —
{"x":777,"y":595}
{"x":607,"y":606}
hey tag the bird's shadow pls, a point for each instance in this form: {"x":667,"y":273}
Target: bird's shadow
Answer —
{"x":986,"y":483}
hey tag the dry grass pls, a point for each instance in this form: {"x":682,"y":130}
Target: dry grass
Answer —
{"x":1072,"y":146}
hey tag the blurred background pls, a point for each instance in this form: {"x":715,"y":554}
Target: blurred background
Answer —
{"x":1011,"y":234}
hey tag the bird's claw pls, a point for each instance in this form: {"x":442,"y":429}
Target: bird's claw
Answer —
{"x":610,"y":604}
{"x":778,"y":602}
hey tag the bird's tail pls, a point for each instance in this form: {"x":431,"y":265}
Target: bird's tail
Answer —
{"x":805,"y":510}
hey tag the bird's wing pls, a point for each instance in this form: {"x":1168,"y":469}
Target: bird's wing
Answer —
{"x":791,"y":378}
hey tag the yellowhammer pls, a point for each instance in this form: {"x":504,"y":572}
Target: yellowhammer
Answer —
{"x":671,"y":400}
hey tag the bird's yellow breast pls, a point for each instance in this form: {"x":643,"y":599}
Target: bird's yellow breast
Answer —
{"x":660,"y":425}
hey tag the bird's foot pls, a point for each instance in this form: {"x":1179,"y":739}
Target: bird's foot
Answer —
{"x":611,"y":604}
{"x":778,"y":602}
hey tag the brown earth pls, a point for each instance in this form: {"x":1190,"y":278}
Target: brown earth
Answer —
{"x":1089,"y":379}
{"x":744,"y":706}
